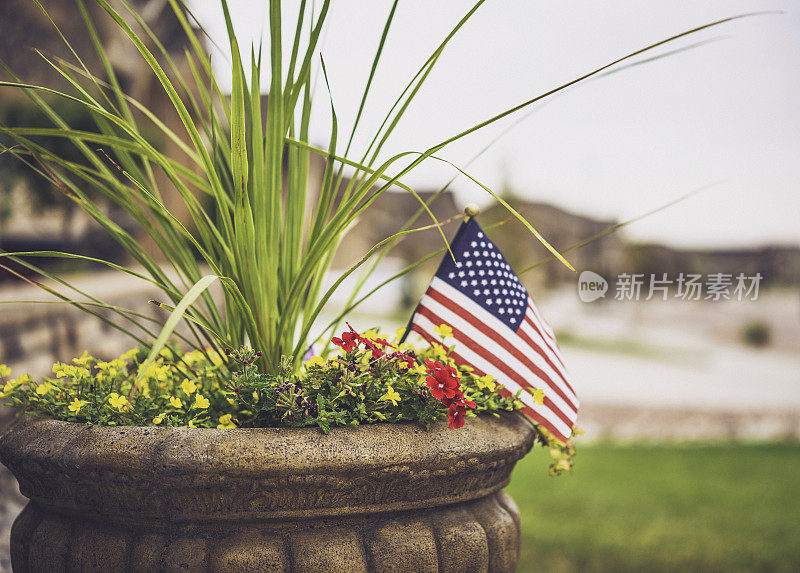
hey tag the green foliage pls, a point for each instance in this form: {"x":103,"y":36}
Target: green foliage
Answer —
{"x":206,"y":390}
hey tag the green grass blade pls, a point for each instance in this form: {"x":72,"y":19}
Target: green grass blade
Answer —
{"x":372,"y":71}
{"x":169,"y":326}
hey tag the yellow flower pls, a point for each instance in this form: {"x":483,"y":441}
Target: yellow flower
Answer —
{"x":158,"y":419}
{"x":4,"y":371}
{"x":111,"y":369}
{"x":420,"y":369}
{"x":44,"y":388}
{"x":399,"y":333}
{"x":225,"y":422}
{"x":538,"y":396}
{"x":370,"y":335}
{"x":130,"y":354}
{"x":150,"y":371}
{"x":486,"y":382}
{"x":162,"y":373}
{"x":84,"y":360}
{"x":443,"y":330}
{"x":11,"y":384}
{"x":193,"y":357}
{"x":201,"y":401}
{"x":441,"y":351}
{"x":563,"y":465}
{"x":314,"y":361}
{"x":69,"y":371}
{"x":255,"y":395}
{"x":216,"y":358}
{"x":158,"y":371}
{"x":176,"y":402}
{"x":75,"y":406}
{"x":117,"y":401}
{"x":188,"y":386}
{"x":391,"y":396}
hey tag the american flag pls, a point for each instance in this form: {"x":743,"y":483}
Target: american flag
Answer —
{"x":497,"y":329}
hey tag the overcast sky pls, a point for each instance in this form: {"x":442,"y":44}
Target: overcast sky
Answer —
{"x":726,"y":113}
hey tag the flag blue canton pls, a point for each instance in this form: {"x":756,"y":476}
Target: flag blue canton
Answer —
{"x":482,"y":273}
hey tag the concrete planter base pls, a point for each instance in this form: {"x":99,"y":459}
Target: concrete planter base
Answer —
{"x":369,"y":498}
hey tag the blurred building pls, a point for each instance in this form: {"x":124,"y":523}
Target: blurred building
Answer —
{"x":389,"y":214}
{"x":564,"y":230}
{"x":778,"y":265}
{"x":34,"y":215}
{"x":25,"y":29}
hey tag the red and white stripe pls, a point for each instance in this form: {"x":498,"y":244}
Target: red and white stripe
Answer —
{"x":528,"y":357}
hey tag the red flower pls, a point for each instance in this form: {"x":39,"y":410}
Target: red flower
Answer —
{"x":455,"y":416}
{"x":405,"y":357}
{"x":443,"y":381}
{"x":349,"y":340}
{"x":376,"y":345}
{"x":458,"y":400}
{"x":445,"y":385}
{"x":456,"y":411}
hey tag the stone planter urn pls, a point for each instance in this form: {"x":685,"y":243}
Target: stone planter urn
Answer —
{"x":382,"y":497}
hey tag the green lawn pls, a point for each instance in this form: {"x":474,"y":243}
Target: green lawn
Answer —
{"x":662,"y":508}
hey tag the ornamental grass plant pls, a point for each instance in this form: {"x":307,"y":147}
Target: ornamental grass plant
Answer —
{"x":255,"y":226}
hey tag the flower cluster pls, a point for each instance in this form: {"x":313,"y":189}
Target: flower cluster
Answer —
{"x":243,"y":355}
{"x":370,"y":379}
{"x":445,"y":385}
{"x":350,"y":340}
{"x":178,"y":389}
{"x":291,"y":404}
